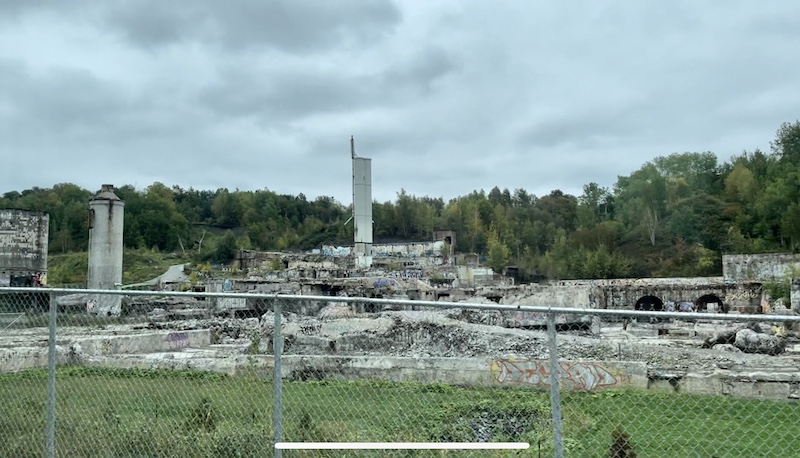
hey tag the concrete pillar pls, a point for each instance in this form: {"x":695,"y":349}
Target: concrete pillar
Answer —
{"x":106,"y":216}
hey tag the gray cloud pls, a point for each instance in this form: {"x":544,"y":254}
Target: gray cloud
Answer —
{"x":446,"y":97}
{"x":286,"y":94}
{"x":295,"y":26}
{"x":301,"y":26}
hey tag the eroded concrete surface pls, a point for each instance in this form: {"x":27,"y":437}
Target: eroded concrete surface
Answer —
{"x":451,"y":346}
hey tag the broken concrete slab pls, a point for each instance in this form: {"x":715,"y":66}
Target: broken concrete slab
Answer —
{"x":750,"y":341}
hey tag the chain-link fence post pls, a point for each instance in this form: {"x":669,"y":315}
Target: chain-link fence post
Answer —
{"x":555,"y":396}
{"x":50,"y":429}
{"x":277,"y":350}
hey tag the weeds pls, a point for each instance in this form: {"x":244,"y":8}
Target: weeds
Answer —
{"x":203,"y":417}
{"x":142,"y":412}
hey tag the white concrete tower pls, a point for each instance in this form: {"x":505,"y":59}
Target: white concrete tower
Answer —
{"x":106,"y":217}
{"x":362,"y":208}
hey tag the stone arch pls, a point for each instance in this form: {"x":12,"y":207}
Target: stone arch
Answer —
{"x":649,"y":303}
{"x":710,"y":303}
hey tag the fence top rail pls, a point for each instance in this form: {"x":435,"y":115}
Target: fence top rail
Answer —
{"x":418,"y":303}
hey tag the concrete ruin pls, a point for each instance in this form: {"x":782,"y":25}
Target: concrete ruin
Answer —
{"x":106,"y":220}
{"x":453,"y":345}
{"x":362,"y":208}
{"x":762,"y":267}
{"x":354,"y":339}
{"x":23,"y":247}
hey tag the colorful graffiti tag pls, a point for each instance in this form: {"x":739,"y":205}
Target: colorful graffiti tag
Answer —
{"x":574,"y":376}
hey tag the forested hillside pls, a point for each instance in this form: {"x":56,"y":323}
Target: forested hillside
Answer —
{"x":674,"y":216}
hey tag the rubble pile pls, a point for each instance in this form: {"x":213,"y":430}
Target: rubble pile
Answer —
{"x":749,"y":339}
{"x":337,"y":330}
{"x":422,"y":335}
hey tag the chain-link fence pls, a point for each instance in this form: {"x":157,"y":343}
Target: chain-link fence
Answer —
{"x":138,"y":373}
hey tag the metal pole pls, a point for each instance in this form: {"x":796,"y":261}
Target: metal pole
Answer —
{"x":555,"y":395}
{"x":50,"y":428}
{"x":277,"y":350}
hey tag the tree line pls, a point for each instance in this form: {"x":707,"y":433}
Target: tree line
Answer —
{"x":674,"y":216}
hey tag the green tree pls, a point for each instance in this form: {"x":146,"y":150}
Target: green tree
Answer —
{"x":593,"y":205}
{"x":790,"y":225}
{"x":642,"y":198}
{"x":699,"y":219}
{"x":499,"y":253}
{"x":227,"y":208}
{"x":787,"y":143}
{"x":226,"y":248}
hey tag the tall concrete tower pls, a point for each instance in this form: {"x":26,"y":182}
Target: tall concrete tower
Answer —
{"x":362,"y":208}
{"x":106,"y":213}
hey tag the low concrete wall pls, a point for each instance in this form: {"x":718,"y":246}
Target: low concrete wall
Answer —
{"x":752,"y":382}
{"x":17,"y":359}
{"x":506,"y":371}
{"x":769,"y":383}
{"x":513,"y":371}
{"x":74,"y":350}
{"x":143,"y":343}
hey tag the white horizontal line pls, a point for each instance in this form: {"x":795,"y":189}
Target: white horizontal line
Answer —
{"x":402,"y":445}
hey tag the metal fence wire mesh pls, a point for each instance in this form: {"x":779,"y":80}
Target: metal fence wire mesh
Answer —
{"x":162,"y":374}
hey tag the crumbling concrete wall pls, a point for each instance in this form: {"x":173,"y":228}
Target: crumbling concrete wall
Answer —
{"x":409,"y":250}
{"x":795,"y":294}
{"x":639,"y":282}
{"x":225,"y":303}
{"x":624,"y":292}
{"x":23,"y":245}
{"x":471,"y":277}
{"x":546,"y":296}
{"x":759,"y":267}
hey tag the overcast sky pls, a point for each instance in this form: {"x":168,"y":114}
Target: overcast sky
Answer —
{"x":445,"y":96}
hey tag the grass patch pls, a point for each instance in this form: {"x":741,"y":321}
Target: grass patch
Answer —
{"x":160,"y":413}
{"x":137,"y":266}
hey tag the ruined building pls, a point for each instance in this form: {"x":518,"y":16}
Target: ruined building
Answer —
{"x":23,"y":247}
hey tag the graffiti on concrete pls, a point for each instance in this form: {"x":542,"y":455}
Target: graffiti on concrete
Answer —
{"x":178,"y":340}
{"x":310,"y":329}
{"x":408,"y":273}
{"x":328,"y":250}
{"x":742,"y":294}
{"x":383,"y":283}
{"x":574,"y":376}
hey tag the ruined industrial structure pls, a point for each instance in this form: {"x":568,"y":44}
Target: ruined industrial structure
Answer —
{"x":106,"y":219}
{"x":362,"y":208}
{"x":23,"y":247}
{"x":431,"y":270}
{"x":406,"y":341}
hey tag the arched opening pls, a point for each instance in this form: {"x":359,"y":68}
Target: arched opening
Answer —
{"x":710,"y":303}
{"x":649,"y":303}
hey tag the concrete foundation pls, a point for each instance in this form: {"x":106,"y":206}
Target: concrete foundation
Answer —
{"x":192,"y":349}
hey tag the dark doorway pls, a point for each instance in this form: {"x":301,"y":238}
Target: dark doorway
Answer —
{"x":649,"y":303}
{"x":710,"y":303}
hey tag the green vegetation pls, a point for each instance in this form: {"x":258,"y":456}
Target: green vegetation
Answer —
{"x":138,"y":265}
{"x":136,"y":412}
{"x":674,"y":216}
